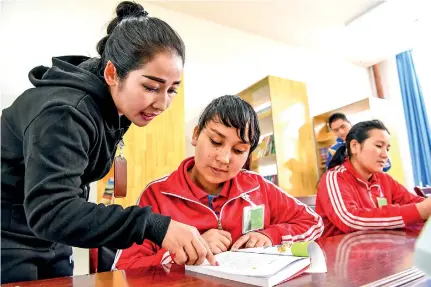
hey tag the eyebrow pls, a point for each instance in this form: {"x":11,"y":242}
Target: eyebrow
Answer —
{"x":223,"y":136}
{"x":217,"y":132}
{"x":162,"y":81}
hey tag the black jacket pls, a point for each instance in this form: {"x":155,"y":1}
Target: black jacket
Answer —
{"x":57,"y":138}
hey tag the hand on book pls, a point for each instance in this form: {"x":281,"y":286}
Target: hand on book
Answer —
{"x":186,"y":245}
{"x":250,"y":240}
{"x":218,"y":240}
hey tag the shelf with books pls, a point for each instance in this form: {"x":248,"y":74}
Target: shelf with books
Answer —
{"x":266,"y":169}
{"x":264,"y":113}
{"x":263,"y":161}
{"x":266,"y":147}
{"x":323,"y":155}
{"x":266,"y":125}
{"x":272,"y":178}
{"x":286,"y":152}
{"x":324,"y":139}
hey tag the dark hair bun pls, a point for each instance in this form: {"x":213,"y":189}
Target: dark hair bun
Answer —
{"x":124,"y":10}
{"x":133,"y":39}
{"x":130,"y":9}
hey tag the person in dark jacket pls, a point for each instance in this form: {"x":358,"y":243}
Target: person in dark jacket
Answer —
{"x":61,"y":135}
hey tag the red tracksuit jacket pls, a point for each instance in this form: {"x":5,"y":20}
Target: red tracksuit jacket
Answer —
{"x":176,"y":195}
{"x":348,"y":203}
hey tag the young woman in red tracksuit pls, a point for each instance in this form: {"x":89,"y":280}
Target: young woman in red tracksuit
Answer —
{"x":354,"y":194}
{"x":211,"y":191}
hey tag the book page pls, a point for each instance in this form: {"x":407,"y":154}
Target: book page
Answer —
{"x":273,"y":250}
{"x":299,"y":249}
{"x":250,"y":264}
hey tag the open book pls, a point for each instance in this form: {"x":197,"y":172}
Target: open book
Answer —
{"x":266,"y":266}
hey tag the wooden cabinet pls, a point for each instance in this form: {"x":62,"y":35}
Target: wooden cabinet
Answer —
{"x":286,"y":153}
{"x":152,"y":151}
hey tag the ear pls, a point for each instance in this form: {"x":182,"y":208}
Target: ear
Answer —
{"x":355,"y":147}
{"x":195,"y":136}
{"x":110,"y":74}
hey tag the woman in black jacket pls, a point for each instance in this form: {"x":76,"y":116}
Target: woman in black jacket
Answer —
{"x":61,"y":135}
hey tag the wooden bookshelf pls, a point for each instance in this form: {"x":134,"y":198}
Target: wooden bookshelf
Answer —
{"x":282,"y":107}
{"x":365,"y":109}
{"x":264,"y":161}
{"x":325,"y":138}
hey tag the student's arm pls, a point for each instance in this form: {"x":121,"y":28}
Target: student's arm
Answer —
{"x":147,"y":254}
{"x":137,"y":256}
{"x":56,"y":146}
{"x":400,"y":194}
{"x":291,"y":220}
{"x":336,"y":197}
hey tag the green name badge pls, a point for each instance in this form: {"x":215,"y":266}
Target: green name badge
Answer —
{"x":253,"y":218}
{"x":381,"y":201}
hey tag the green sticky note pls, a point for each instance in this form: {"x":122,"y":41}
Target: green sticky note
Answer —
{"x":256,"y":218}
{"x":381,"y":201}
{"x":300,"y":249}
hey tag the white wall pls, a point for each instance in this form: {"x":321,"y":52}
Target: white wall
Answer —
{"x":422,"y":60}
{"x":220,"y":60}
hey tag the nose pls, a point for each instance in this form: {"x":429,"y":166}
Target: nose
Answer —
{"x":161,"y":101}
{"x":385,"y":153}
{"x":223,"y":155}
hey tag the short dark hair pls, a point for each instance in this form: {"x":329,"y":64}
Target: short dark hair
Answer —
{"x":359,"y":132}
{"x":134,"y":39}
{"x":337,"y":116}
{"x":232,"y":111}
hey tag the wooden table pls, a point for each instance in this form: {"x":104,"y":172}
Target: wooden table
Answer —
{"x":353,"y":260}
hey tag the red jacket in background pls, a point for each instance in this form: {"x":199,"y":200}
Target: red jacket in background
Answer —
{"x":176,"y":195}
{"x":348,"y":203}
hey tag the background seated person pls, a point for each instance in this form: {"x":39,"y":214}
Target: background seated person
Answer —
{"x":211,"y":192}
{"x":356,"y":195}
{"x":340,"y":126}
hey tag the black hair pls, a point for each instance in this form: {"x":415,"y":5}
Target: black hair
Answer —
{"x":134,"y":39}
{"x":232,"y":111}
{"x":359,"y":132}
{"x":337,"y":116}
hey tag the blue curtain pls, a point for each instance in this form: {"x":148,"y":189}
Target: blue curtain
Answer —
{"x":418,"y":126}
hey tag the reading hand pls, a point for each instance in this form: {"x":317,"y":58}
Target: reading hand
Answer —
{"x":218,"y":240}
{"x":252,"y":239}
{"x":186,"y":245}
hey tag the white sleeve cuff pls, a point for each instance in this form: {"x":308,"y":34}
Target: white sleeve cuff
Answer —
{"x":166,"y":258}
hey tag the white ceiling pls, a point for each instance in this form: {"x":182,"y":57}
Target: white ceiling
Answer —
{"x":363,"y":31}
